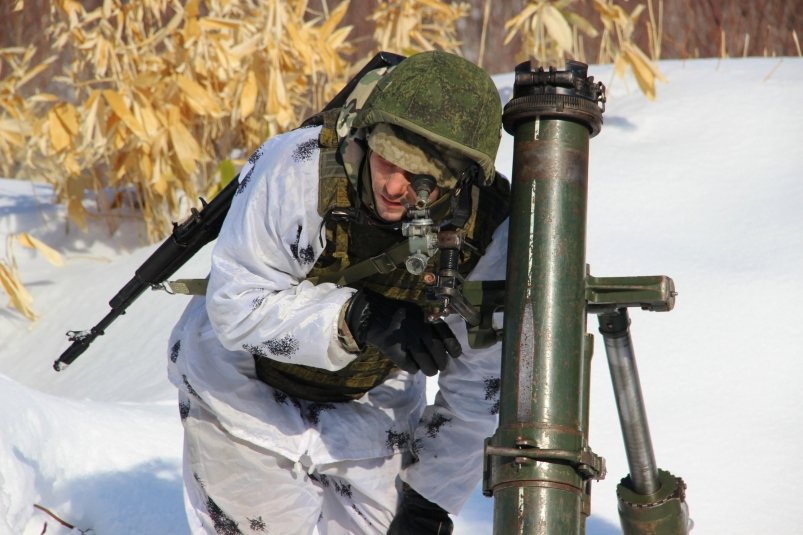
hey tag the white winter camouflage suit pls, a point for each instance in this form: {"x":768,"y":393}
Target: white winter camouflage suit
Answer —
{"x":258,"y":461}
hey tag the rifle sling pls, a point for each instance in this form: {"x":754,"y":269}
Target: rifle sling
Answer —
{"x":382,"y":263}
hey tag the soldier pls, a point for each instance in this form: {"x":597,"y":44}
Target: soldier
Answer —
{"x":302,"y":371}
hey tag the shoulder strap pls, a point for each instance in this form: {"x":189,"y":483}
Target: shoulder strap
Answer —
{"x":380,"y":264}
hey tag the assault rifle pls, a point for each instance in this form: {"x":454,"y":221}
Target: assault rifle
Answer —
{"x":200,"y":228}
{"x":188,"y":238}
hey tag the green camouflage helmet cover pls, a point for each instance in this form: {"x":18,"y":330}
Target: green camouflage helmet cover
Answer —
{"x":443,"y":98}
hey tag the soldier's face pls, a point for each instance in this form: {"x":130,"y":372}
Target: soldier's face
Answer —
{"x":391,"y":186}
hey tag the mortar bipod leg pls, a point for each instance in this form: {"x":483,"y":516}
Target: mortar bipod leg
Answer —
{"x":651,"y":501}
{"x":615,"y":330}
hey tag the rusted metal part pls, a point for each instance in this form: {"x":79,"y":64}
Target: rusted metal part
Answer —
{"x":538,"y":465}
{"x":663,"y":512}
{"x":538,"y":462}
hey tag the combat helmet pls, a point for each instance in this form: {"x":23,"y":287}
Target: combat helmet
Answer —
{"x":443,"y":98}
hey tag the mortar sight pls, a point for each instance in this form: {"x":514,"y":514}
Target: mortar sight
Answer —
{"x":556,"y":94}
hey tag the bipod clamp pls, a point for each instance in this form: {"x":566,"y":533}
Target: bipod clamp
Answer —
{"x":655,"y":293}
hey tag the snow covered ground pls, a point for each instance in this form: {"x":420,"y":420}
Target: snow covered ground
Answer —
{"x":703,"y":185}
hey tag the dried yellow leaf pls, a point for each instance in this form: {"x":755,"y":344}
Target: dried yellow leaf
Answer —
{"x":90,"y":134}
{"x":76,"y":212}
{"x":246,"y":48}
{"x":145,"y":166}
{"x":68,"y":115}
{"x":517,"y":22}
{"x":334,"y":19}
{"x":31,"y":73}
{"x":191,"y":31}
{"x":634,"y":15}
{"x":73,"y":10}
{"x":43,"y":97}
{"x":580,"y":23}
{"x":17,"y":294}
{"x":161,"y":186}
{"x":120,"y":109}
{"x":557,"y":27}
{"x":604,"y":9}
{"x":102,"y":52}
{"x":187,"y":150}
{"x":14,"y":139}
{"x":215,"y":23}
{"x":192,"y":8}
{"x":300,"y":45}
{"x":643,"y":70}
{"x":118,"y":138}
{"x":165,"y":30}
{"x":59,"y":136}
{"x":647,"y":62}
{"x":248,"y":98}
{"x":620,"y":66}
{"x":338,"y":39}
{"x":148,"y":119}
{"x":199,"y":98}
{"x":50,"y":254}
{"x":15,"y":126}
{"x":12,"y":50}
{"x":155,"y":56}
{"x":71,"y":164}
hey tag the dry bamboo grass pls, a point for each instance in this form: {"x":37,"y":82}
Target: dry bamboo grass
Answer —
{"x":617,"y":45}
{"x":10,"y":280}
{"x":409,"y":26}
{"x":550,"y":31}
{"x":158,"y":98}
{"x":161,"y":93}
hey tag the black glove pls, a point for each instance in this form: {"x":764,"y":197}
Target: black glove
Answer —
{"x":399,"y":331}
{"x":419,"y":516}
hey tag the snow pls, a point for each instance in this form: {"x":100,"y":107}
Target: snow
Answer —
{"x":703,"y":185}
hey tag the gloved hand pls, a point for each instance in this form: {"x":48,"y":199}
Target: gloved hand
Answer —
{"x":418,"y":516}
{"x":399,"y":331}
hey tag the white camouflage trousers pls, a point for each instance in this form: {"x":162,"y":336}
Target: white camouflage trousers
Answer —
{"x":233,"y":487}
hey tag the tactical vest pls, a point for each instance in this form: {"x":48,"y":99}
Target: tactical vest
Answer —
{"x":356,"y":242}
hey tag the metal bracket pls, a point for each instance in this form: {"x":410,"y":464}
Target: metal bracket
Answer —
{"x":587,"y":463}
{"x":652,"y":292}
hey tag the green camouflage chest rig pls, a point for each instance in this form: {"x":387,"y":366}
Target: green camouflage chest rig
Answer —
{"x":359,"y":253}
